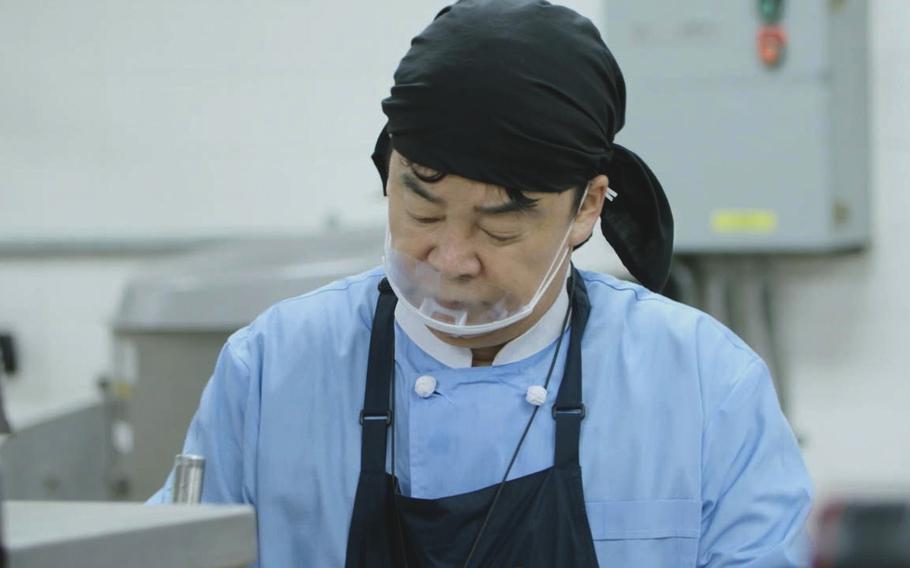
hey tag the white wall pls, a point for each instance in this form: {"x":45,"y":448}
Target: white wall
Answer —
{"x":159,"y":119}
{"x":59,"y":312}
{"x":184,"y":118}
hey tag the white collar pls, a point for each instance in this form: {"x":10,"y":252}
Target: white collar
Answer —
{"x":540,"y":335}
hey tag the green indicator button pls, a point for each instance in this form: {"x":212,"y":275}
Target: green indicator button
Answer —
{"x":771,"y":10}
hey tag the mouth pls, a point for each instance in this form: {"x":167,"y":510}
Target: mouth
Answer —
{"x":452,"y":304}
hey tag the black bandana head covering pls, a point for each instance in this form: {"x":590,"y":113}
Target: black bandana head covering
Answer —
{"x":524,"y":95}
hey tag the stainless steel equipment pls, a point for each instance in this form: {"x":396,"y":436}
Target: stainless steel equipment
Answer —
{"x":59,"y":453}
{"x":175,"y":317}
{"x":44,"y":534}
{"x":188,"y":477}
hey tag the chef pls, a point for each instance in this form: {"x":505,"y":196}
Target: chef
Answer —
{"x":477,"y":400}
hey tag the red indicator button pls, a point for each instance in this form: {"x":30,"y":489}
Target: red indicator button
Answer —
{"x":772,"y":44}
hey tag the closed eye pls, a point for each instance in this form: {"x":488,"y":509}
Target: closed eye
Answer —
{"x":426,"y":220}
{"x":500,"y":238}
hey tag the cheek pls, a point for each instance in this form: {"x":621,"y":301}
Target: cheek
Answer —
{"x":520,"y":269}
{"x":517,"y":269}
{"x":406,"y":237}
{"x":416,"y":244}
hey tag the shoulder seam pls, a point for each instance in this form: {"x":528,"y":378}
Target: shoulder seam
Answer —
{"x":236,"y":356}
{"x":736,"y":383}
{"x":597,"y":278}
{"x":725,"y":331}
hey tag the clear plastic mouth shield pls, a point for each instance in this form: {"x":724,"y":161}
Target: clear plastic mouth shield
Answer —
{"x":454,"y":306}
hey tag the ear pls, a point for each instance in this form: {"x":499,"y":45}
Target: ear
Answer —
{"x":589,"y":211}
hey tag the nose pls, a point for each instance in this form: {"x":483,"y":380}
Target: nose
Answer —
{"x":454,"y":256}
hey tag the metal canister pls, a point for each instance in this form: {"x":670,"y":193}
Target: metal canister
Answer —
{"x":188,"y":472}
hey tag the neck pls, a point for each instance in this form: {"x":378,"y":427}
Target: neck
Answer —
{"x":483,"y":356}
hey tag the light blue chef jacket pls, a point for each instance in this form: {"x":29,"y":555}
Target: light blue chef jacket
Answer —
{"x":685,"y":455}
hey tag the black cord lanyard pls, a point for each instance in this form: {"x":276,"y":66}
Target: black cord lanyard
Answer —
{"x":524,"y":434}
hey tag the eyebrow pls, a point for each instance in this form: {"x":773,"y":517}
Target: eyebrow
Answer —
{"x":411,"y":183}
{"x":510,"y":206}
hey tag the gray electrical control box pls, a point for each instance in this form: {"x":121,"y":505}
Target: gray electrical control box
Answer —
{"x":753,"y":114}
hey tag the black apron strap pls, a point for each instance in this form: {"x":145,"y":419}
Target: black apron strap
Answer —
{"x":569,"y":409}
{"x":376,"y":415}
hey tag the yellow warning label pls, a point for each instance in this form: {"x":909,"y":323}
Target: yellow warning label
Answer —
{"x":743,"y":221}
{"x":122,"y":389}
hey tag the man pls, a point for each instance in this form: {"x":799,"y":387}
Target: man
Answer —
{"x":477,"y":401}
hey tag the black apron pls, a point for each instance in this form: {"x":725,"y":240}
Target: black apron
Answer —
{"x":539,"y":519}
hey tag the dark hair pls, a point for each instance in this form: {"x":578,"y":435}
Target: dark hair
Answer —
{"x":429,"y":175}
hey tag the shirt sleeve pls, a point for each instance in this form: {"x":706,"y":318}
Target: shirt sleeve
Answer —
{"x":223,"y":431}
{"x":756,"y":490}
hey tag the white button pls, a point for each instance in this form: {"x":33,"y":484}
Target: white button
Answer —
{"x":425,"y":386}
{"x":537,"y":395}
